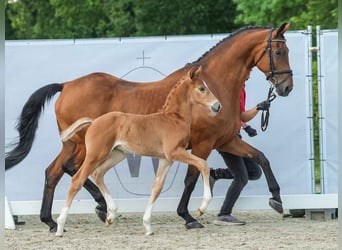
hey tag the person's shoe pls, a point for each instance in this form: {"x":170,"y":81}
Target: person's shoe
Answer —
{"x":228,"y":220}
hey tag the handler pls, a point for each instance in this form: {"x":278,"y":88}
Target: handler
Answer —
{"x":240,"y":169}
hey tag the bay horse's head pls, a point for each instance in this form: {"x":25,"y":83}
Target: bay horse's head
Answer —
{"x":201,"y":93}
{"x":273,"y":60}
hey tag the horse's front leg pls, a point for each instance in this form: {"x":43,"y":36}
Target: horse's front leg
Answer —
{"x":189,"y":185}
{"x":239,"y":147}
{"x":274,"y":202}
{"x":159,"y":180}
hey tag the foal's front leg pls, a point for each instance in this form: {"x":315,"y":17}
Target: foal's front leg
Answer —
{"x":159,"y":180}
{"x":185,"y":157}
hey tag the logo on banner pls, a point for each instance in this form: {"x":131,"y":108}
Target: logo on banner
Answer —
{"x":134,"y":164}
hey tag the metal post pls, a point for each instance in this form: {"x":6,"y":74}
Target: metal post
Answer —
{"x":340,"y":115}
{"x":310,"y":107}
{"x":320,"y":109}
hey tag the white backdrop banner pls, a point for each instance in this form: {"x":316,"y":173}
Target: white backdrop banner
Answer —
{"x":329,"y":110}
{"x":33,"y":64}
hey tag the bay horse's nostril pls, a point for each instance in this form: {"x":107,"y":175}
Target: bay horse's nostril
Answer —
{"x":216,"y":107}
{"x":288,"y":89}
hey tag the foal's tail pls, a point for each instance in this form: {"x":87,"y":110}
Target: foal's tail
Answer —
{"x":75,"y":127}
{"x":28,"y":123}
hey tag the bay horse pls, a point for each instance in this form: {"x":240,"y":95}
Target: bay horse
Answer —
{"x":225,"y":67}
{"x":165,"y":134}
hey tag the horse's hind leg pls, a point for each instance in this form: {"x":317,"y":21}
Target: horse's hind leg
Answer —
{"x":159,"y":180}
{"x":70,"y":169}
{"x":52,"y":176}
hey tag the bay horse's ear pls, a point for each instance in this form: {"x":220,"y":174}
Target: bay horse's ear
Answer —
{"x":282,"y":29}
{"x":195,"y":70}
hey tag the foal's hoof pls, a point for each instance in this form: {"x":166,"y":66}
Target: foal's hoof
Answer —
{"x":276,"y":205}
{"x":200,"y":212}
{"x":53,"y":229}
{"x":101,"y":213}
{"x":193,"y":225}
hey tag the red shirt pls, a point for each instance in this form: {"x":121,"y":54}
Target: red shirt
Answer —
{"x":243,"y":99}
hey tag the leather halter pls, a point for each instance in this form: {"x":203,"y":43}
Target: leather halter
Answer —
{"x":273,"y":71}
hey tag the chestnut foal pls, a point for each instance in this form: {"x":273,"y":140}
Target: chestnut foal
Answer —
{"x":165,"y":134}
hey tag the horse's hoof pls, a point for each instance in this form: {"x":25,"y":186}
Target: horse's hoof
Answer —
{"x":200,"y":212}
{"x":276,"y":205}
{"x":193,"y":225}
{"x":101,"y":214}
{"x":53,"y":229}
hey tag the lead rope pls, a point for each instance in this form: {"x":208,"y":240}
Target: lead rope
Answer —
{"x":146,"y":194}
{"x":265,"y":115}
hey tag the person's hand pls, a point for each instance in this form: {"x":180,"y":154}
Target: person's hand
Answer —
{"x":250,"y":131}
{"x":263,"y":105}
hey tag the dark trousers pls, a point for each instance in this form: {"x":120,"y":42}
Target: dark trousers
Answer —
{"x":242,"y":169}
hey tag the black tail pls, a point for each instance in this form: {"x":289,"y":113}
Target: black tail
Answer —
{"x":28,"y":123}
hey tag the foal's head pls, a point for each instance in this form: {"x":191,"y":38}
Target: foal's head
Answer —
{"x":201,"y":93}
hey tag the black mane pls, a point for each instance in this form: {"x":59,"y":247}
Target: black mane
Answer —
{"x":227,"y":38}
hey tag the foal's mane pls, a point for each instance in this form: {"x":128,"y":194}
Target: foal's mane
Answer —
{"x":171,"y":93}
{"x":226,"y":39}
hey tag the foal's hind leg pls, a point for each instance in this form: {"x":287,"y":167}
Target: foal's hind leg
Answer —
{"x":76,"y":184}
{"x":159,"y":180}
{"x":71,"y":167}
{"x":115,"y":157}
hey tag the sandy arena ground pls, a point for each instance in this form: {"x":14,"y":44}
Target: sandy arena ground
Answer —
{"x":264,"y":230}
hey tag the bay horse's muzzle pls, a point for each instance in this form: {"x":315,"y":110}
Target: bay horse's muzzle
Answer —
{"x":216,"y":107}
{"x":283,"y":86}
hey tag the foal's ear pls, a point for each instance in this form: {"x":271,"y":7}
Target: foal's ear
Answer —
{"x":196,"y":70}
{"x":282,"y":29}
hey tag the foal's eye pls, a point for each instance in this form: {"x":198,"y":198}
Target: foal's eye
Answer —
{"x":201,"y":89}
{"x":278,"y":52}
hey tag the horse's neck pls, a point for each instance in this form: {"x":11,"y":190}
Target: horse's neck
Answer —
{"x":230,"y":64}
{"x":228,"y":67}
{"x":178,"y":102}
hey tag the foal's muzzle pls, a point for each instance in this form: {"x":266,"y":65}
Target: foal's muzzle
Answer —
{"x":216,"y":107}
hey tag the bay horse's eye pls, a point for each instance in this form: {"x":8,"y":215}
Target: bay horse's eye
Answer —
{"x":278,"y":52}
{"x":201,"y":89}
